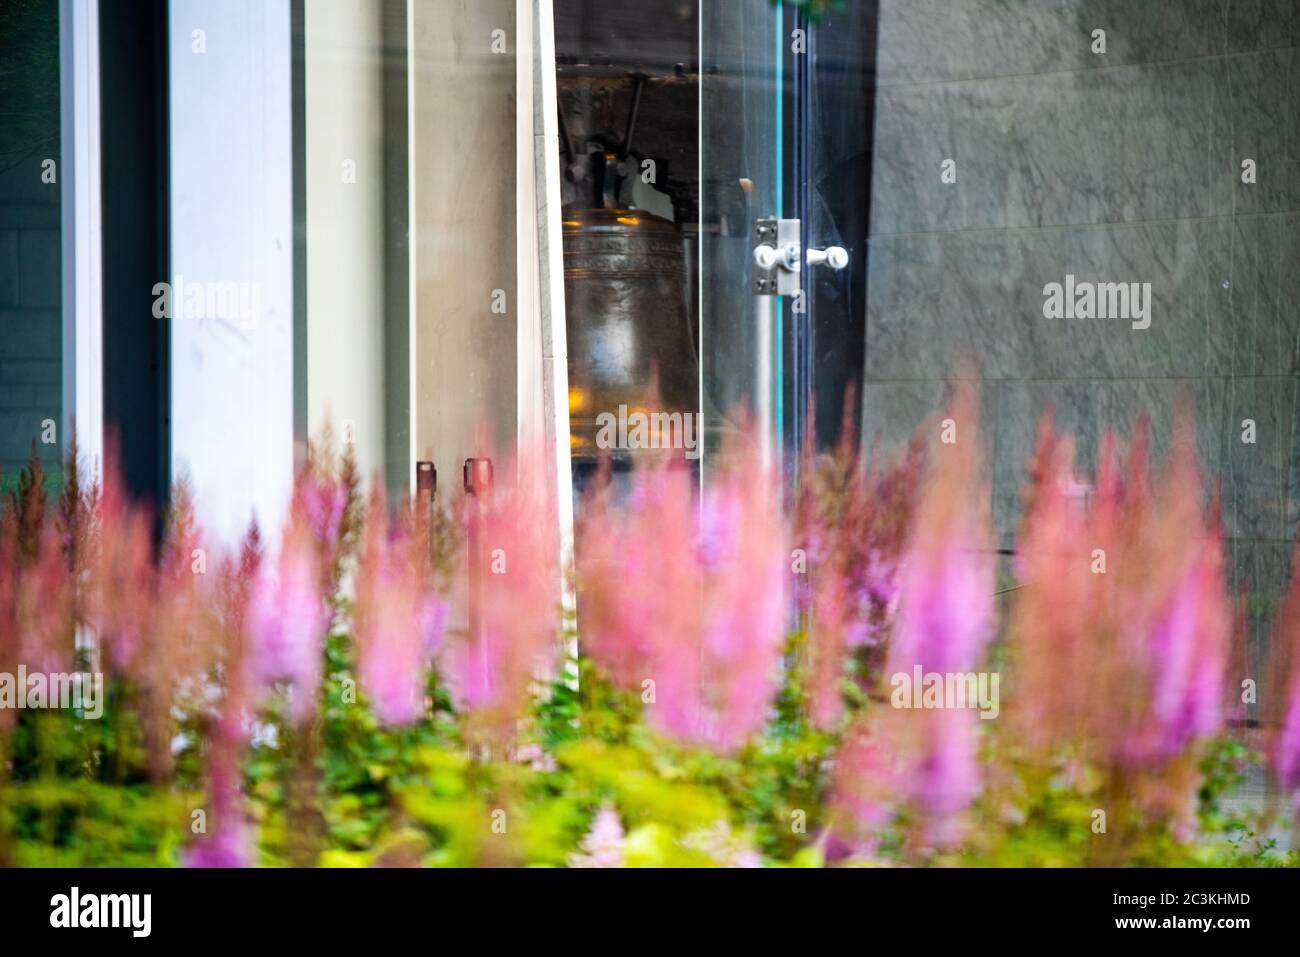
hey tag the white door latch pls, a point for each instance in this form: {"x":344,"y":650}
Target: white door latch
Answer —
{"x":777,"y":257}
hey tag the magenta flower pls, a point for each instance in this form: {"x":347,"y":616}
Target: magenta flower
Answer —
{"x":603,"y":844}
{"x":946,"y":611}
{"x":401,"y":635}
{"x":1186,"y":658}
{"x":1286,"y":752}
{"x":513,"y":644}
{"x":287,"y":619}
{"x":228,"y":847}
{"x":945,"y":619}
{"x":683,"y":602}
{"x":324,"y":503}
{"x":399,"y":620}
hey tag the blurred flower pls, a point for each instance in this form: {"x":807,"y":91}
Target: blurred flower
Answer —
{"x":945,"y":619}
{"x":180,"y":628}
{"x":863,"y":784}
{"x":228,"y":847}
{"x":1122,"y":625}
{"x":851,"y":519}
{"x":287,"y":621}
{"x":45,"y":609}
{"x":120,"y":580}
{"x":682,"y":602}
{"x":723,"y":846}
{"x":324,"y":502}
{"x":399,"y":620}
{"x":1285,"y":749}
{"x":603,"y":844}
{"x":325,"y":496}
{"x":512,"y":576}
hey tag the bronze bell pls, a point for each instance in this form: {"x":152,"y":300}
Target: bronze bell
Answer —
{"x":630,"y":341}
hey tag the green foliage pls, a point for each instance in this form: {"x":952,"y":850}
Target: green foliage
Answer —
{"x":79,"y":793}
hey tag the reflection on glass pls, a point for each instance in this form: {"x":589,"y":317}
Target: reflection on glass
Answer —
{"x":741,"y":142}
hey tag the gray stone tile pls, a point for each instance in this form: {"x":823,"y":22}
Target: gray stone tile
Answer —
{"x":1222,"y":294}
{"x":39,"y":267}
{"x":943,"y":40}
{"x":30,"y":334}
{"x":1149,"y":142}
{"x":8,"y":268}
{"x":1252,"y":478}
{"x":1262,"y":92}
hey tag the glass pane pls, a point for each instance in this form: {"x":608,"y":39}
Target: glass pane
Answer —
{"x":843,"y":52}
{"x":741,"y":180}
{"x":628,"y":102}
{"x":30,"y":239}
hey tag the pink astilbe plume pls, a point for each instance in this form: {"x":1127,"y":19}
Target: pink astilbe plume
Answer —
{"x":1285,"y":746}
{"x":851,"y":519}
{"x":9,"y":592}
{"x":45,"y":609}
{"x":179,"y":628}
{"x":1121,"y":629}
{"x":512,"y":562}
{"x":399,"y":619}
{"x":690,"y":596}
{"x":120,"y":581}
{"x":945,"y":620}
{"x":603,"y":845}
{"x":288,"y":617}
{"x":326,"y":502}
{"x":228,"y":844}
{"x":864,"y":777}
{"x":744,"y":565}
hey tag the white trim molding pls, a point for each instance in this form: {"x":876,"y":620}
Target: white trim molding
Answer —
{"x":81,"y":205}
{"x":542,"y":358}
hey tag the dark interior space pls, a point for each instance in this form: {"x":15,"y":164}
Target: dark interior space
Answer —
{"x":133,"y":71}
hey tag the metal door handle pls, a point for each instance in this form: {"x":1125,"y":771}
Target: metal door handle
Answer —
{"x":837,"y":257}
{"x":787,"y":257}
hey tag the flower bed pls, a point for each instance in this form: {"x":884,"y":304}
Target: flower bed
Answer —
{"x":859,"y":677}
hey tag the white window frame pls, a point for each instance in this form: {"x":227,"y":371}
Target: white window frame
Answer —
{"x":80,"y":213}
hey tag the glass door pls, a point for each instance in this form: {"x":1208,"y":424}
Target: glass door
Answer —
{"x":833,"y":52}
{"x":743,"y":79}
{"x":725,"y":144}
{"x":785,"y":147}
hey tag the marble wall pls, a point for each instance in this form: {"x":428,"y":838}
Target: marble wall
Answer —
{"x":1120,"y":166}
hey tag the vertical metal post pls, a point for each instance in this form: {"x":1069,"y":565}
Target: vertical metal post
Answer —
{"x":764,"y":313}
{"x":802,"y":316}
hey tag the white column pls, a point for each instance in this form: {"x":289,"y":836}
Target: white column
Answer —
{"x":79,"y":176}
{"x":231,"y":181}
{"x":344,"y":163}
